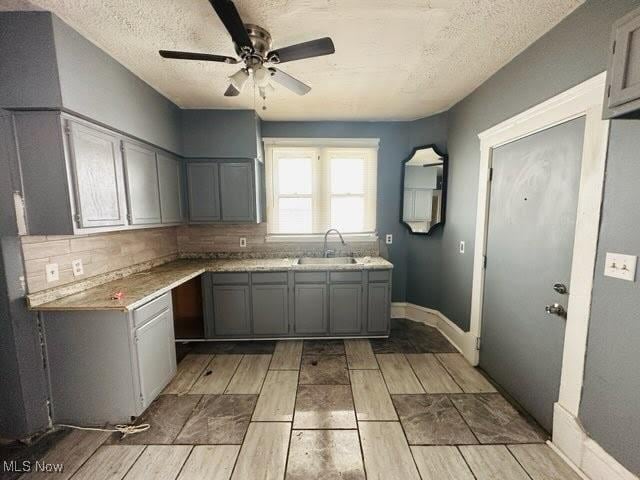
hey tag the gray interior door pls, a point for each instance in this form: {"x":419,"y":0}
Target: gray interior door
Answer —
{"x":534,"y":197}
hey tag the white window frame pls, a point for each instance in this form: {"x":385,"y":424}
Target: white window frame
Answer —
{"x":321,"y":196}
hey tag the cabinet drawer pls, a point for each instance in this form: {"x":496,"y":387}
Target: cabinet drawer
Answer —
{"x":379,"y":275}
{"x":229,"y":278}
{"x":151,"y":309}
{"x":272,"y":277}
{"x":352,"y":277}
{"x":311,"y":277}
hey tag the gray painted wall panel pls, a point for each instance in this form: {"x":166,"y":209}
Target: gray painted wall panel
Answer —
{"x":97,"y":86}
{"x":396,"y":141}
{"x":28,"y":58}
{"x":610,"y":408}
{"x":220,"y":133}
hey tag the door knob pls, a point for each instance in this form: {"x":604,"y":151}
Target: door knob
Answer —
{"x":560,"y":288}
{"x":556,"y":309}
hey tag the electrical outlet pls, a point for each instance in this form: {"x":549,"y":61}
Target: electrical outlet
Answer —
{"x":51,"y":272}
{"x":388,"y":239}
{"x":243,"y":242}
{"x":620,"y":266}
{"x":461,"y":246}
{"x":77,"y":267}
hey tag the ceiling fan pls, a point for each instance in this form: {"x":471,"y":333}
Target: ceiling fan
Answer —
{"x":253,"y":45}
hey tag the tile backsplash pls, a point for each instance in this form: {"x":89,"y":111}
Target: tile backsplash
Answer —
{"x":224,"y":241}
{"x":100,"y":253}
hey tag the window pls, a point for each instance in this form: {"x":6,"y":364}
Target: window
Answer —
{"x":314,"y":187}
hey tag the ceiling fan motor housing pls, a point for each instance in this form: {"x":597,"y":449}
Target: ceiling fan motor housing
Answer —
{"x":261,"y":41}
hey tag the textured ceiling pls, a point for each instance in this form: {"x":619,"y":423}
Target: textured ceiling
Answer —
{"x":395,"y":59}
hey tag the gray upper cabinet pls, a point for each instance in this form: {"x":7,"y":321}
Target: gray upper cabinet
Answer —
{"x":169,"y":181}
{"x":142,"y":183}
{"x":81,"y":178}
{"x":203,"y":183}
{"x":623,"y":75}
{"x":237,"y":186}
{"x":345,"y":308}
{"x":98,"y":178}
{"x":224,"y":191}
{"x":270,"y":306}
{"x":310,"y":309}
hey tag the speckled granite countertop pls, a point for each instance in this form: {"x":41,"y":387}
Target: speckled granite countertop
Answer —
{"x":140,"y":287}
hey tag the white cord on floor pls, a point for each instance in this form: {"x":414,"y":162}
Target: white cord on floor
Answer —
{"x":125,"y":430}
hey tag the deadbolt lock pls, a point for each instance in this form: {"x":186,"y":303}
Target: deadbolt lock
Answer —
{"x":561,"y":288}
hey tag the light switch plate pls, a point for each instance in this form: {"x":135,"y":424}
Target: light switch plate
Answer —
{"x":243,"y":242}
{"x":51,"y":272}
{"x":618,"y":265}
{"x":461,"y":246}
{"x":388,"y":239}
{"x":77,"y":267}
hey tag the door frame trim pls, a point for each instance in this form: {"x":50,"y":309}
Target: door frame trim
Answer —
{"x":585,"y":99}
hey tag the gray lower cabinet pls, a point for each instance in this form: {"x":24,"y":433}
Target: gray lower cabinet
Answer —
{"x":108,"y":366}
{"x":203,"y":184}
{"x":231,"y":310}
{"x":270,"y":307}
{"x":169,"y":182}
{"x":345,"y":308}
{"x":378,"y":308}
{"x":310,"y":307}
{"x":143,"y":194}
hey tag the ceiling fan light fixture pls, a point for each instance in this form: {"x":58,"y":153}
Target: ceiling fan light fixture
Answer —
{"x":239,"y":78}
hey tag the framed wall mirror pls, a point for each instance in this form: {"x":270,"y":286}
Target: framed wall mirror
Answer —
{"x":424,"y":189}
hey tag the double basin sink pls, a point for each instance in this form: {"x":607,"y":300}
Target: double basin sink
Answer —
{"x":326,"y":261}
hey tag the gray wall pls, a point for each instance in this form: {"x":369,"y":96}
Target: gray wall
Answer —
{"x":28,"y":61}
{"x":219,"y":133}
{"x":575,"y":50}
{"x":610,"y":408}
{"x":23,"y":394}
{"x":396,"y":141}
{"x":46,"y":64}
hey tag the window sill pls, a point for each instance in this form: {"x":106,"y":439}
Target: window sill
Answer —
{"x":319,"y":238}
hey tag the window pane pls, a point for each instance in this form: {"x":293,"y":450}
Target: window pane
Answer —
{"x":294,"y":215}
{"x":347,"y":175}
{"x":294,"y":176}
{"x":347,"y":213}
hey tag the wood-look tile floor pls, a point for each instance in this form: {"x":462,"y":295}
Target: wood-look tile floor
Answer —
{"x":404,"y":408}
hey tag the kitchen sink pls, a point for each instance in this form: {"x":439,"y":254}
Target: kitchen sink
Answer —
{"x":326,"y":261}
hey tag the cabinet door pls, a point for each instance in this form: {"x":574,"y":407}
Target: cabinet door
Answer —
{"x":378,"y":308}
{"x":142,"y":184}
{"x":231,"y":310}
{"x":345,"y":308}
{"x":237,"y":192}
{"x":625,"y":64}
{"x":310,"y":309}
{"x":156,"y":354}
{"x":170,"y":191}
{"x":408,"y":203}
{"x":423,"y":199}
{"x":204,"y":193}
{"x":270,"y":309}
{"x":98,"y":176}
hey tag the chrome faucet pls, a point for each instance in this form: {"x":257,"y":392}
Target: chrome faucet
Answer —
{"x":328,"y":253}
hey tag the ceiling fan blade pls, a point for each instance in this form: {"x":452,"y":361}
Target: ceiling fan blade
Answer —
{"x":312,"y":48}
{"x":232,"y":92}
{"x":206,"y":57}
{"x":289,"y":82}
{"x":230,"y":17}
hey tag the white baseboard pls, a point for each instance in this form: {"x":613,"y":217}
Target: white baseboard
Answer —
{"x":464,"y":342}
{"x":583,"y":452}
